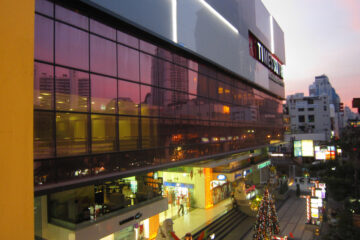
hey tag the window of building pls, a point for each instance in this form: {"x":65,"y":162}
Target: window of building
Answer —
{"x":103,"y":133}
{"x":44,"y":39}
{"x":43,"y":86}
{"x":128,"y":98}
{"x":301,"y":109}
{"x":71,"y":134}
{"x":310,"y":101}
{"x":301,"y":118}
{"x":128,"y":63}
{"x":43,"y":134}
{"x":310,"y":109}
{"x":149,"y":69}
{"x":102,"y":56}
{"x":128,"y":133}
{"x":311,"y":118}
{"x":325,"y":108}
{"x":103,"y":94}
{"x":72,"y":90}
{"x":71,"y":46}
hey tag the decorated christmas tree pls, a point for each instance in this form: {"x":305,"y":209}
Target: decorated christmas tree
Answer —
{"x":267,"y":223}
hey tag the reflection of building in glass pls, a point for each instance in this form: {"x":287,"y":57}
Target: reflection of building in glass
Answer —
{"x":131,"y":128}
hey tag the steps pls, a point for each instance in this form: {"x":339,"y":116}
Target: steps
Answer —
{"x":223,"y":225}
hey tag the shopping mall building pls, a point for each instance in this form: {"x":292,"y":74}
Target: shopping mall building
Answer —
{"x":135,"y":106}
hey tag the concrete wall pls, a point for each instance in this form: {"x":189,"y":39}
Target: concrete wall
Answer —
{"x":16,"y":121}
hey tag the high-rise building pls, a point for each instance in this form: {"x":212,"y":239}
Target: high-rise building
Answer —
{"x":138,"y":104}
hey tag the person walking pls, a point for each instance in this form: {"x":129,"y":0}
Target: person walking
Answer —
{"x":181,"y":205}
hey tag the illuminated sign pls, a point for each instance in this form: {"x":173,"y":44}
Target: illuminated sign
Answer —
{"x":307,"y":148}
{"x":264,"y":164}
{"x":297,"y":149}
{"x":263,"y":55}
{"x":221,"y":177}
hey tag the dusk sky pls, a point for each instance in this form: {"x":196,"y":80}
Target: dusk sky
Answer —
{"x":321,"y":37}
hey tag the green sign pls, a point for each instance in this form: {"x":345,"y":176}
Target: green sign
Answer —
{"x":264,"y":164}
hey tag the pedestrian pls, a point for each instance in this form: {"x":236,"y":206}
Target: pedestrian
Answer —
{"x":181,"y":205}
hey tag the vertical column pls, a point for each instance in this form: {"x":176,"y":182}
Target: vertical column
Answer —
{"x":153,"y":226}
{"x":208,"y":191}
{"x":16,"y":121}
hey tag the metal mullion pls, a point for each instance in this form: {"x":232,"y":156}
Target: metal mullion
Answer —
{"x":89,"y":129}
{"x":117,"y":128}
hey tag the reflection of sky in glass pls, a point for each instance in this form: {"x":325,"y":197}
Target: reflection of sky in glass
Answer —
{"x":44,"y":38}
{"x":102,"y":56}
{"x":103,"y":94}
{"x":71,"y":46}
{"x":128,"y":63}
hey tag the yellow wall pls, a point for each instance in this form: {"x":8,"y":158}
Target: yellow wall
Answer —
{"x":16,"y":119}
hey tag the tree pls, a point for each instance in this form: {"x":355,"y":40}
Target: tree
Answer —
{"x":267,"y":223}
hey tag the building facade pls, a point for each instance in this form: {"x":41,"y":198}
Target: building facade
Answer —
{"x":137,"y":103}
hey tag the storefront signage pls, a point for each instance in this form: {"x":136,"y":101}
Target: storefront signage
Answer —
{"x":263,"y":55}
{"x":221,"y":177}
{"x":264,"y":164}
{"x":129,"y":219}
{"x":183,"y":185}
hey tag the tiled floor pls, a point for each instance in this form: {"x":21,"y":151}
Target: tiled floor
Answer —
{"x":197,"y":218}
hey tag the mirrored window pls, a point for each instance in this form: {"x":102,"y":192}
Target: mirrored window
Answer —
{"x":72,"y":90}
{"x":127,"y":39}
{"x":71,"y":46}
{"x":103,"y":133}
{"x":43,"y":134}
{"x":148,"y":69}
{"x":149,"y":101}
{"x":71,"y":17}
{"x":103,"y":94}
{"x":149,"y":132}
{"x":128,"y":133}
{"x":102,"y":29}
{"x":43,"y":86}
{"x":148,"y":47}
{"x":102,"y":56}
{"x":71,"y":134}
{"x":128,"y":98}
{"x":128,"y":63}
{"x":193,"y":82}
{"x":44,"y":7}
{"x":44,"y":39}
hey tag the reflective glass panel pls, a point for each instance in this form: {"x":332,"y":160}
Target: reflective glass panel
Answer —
{"x":44,"y":39}
{"x":71,"y":17}
{"x":149,"y":100}
{"x":103,"y":133}
{"x":44,"y":7}
{"x":72,"y":90}
{"x":128,"y":63}
{"x":43,"y":134}
{"x":102,"y":56}
{"x":148,"y":69}
{"x":128,"y":97}
{"x":43,"y":86}
{"x":148,"y":47}
{"x":149,"y":131}
{"x":71,"y":133}
{"x":203,"y":85}
{"x":127,"y":39}
{"x":102,"y":29}
{"x":193,"y":82}
{"x":71,"y":46}
{"x":128,"y":133}
{"x":103,"y":94}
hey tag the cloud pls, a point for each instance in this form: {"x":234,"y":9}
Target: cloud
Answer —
{"x":353,"y":7}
